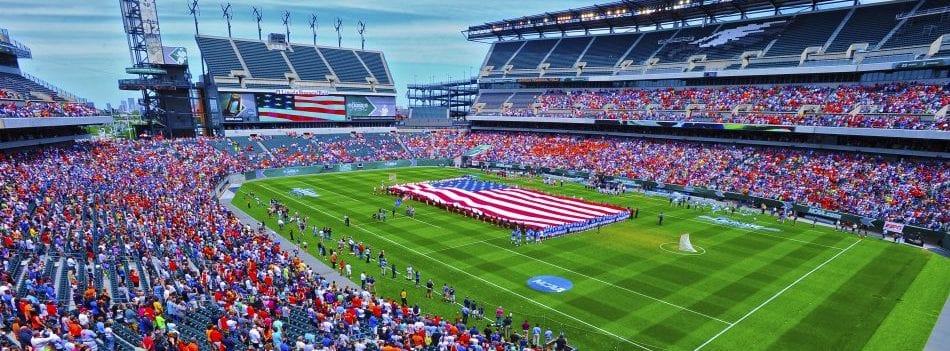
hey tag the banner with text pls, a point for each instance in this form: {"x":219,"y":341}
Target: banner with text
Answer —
{"x":370,"y":106}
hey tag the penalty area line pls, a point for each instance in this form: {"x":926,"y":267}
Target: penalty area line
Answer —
{"x":634,"y":343}
{"x":779,"y":293}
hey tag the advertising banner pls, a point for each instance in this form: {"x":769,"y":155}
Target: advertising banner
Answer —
{"x":238,"y":107}
{"x":892,"y":227}
{"x":702,"y":125}
{"x":370,"y":106}
{"x":175,"y":55}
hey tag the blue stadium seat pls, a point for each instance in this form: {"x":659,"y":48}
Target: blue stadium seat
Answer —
{"x":807,"y":30}
{"x":868,"y":25}
{"x":219,"y":55}
{"x":606,"y":50}
{"x":307,"y":63}
{"x":374,"y":61}
{"x":647,"y":46}
{"x":345,"y":64}
{"x":567,"y":51}
{"x":501,"y":53}
{"x":532,"y":53}
{"x":921,"y":30}
{"x":262,"y":63}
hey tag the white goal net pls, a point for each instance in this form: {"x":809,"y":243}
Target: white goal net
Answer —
{"x":685,"y":245}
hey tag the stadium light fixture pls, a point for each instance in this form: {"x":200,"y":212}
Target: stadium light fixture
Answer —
{"x":228,"y":14}
{"x":258,"y":16}
{"x":313,"y":27}
{"x":339,"y":35}
{"x":285,"y":18}
{"x":362,"y":31}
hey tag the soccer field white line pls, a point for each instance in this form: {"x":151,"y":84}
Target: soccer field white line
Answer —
{"x":741,"y":229}
{"x":637,"y":344}
{"x":779,"y":293}
{"x":613,"y":285}
{"x":458,"y":246}
{"x":354,"y":199}
{"x":602,"y":281}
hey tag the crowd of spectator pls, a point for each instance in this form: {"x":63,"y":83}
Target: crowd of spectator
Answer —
{"x":904,"y":190}
{"x":153,"y":261}
{"x":307,"y":149}
{"x":30,"y":109}
{"x":893,"y":105}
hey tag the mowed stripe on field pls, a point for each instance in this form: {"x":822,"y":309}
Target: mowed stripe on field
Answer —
{"x":382,"y":237}
{"x":351,"y":193}
{"x":613,"y":285}
{"x":485,"y":242}
{"x":776,"y":295}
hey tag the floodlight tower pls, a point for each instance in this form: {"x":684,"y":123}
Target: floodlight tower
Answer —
{"x":258,"y":16}
{"x":286,"y":19}
{"x":164,"y":85}
{"x":313,"y":27}
{"x":362,"y":30}
{"x":339,"y":35}
{"x":194,"y":11}
{"x":228,"y":15}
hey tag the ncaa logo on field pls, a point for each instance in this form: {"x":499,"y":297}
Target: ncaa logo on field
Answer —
{"x":550,"y":284}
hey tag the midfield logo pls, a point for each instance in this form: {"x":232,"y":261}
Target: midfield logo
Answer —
{"x":304,"y":192}
{"x":736,"y":224}
{"x":550,"y":284}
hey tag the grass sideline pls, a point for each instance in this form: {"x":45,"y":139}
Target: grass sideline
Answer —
{"x":796,"y":288}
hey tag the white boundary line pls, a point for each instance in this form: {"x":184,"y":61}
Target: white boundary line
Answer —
{"x":353,"y":199}
{"x":613,"y":285}
{"x":458,"y":246}
{"x":593,"y":278}
{"x":779,"y":293}
{"x":637,"y":344}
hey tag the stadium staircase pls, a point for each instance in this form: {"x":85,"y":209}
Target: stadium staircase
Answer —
{"x":898,"y":27}
{"x":403,"y":146}
{"x":266,"y":150}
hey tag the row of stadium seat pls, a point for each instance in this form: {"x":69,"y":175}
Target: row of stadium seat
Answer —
{"x":780,"y":36}
{"x":224,"y":55}
{"x":895,"y":105}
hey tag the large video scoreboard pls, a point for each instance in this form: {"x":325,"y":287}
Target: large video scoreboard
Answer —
{"x":303,"y":106}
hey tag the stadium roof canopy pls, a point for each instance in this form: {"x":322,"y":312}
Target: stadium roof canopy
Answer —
{"x":634,"y":14}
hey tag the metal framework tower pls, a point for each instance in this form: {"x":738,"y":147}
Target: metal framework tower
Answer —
{"x":164,"y":87}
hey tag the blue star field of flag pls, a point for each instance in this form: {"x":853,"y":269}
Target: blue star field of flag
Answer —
{"x":276,"y":101}
{"x":469,"y":184}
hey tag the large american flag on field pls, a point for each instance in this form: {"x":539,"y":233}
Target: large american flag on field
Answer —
{"x":516,"y":205}
{"x":300,"y":108}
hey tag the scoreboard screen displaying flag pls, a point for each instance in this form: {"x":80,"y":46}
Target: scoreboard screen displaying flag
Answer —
{"x":274,"y":107}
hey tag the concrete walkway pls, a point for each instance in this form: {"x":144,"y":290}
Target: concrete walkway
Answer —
{"x":940,"y":336}
{"x":317,"y":265}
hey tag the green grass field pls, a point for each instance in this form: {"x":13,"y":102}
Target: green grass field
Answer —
{"x":797,"y":288}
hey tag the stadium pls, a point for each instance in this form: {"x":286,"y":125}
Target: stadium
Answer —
{"x":630,"y":175}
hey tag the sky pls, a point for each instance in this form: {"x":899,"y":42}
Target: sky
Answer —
{"x":81,"y":47}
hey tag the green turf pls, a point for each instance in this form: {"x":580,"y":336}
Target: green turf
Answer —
{"x":797,"y":288}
